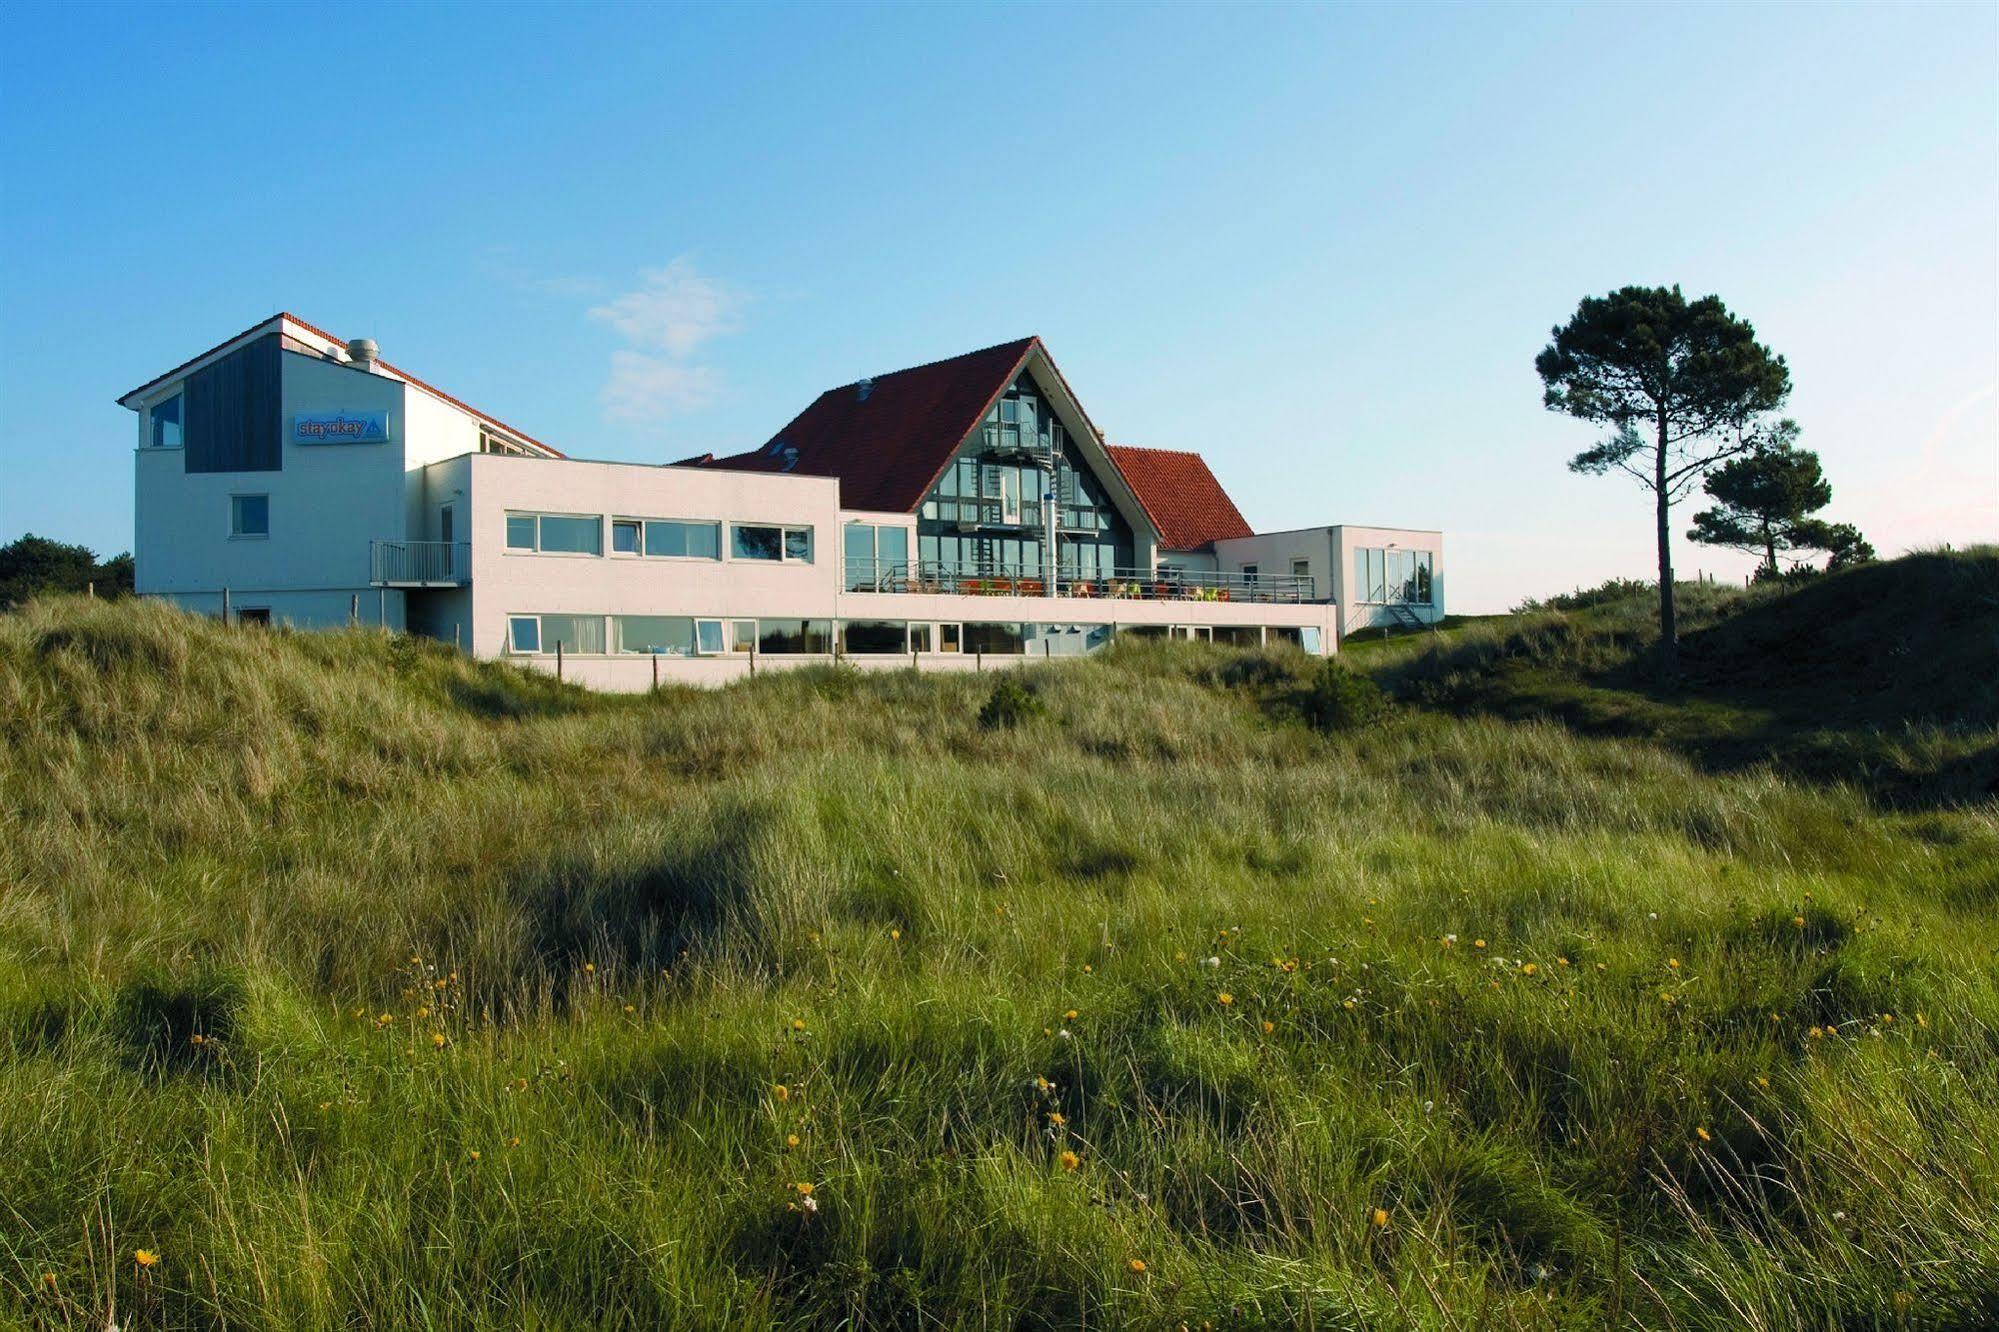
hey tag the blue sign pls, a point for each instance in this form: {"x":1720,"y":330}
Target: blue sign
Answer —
{"x":341,"y":428}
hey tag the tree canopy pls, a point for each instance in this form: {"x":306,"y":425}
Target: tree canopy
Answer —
{"x":1764,"y":502}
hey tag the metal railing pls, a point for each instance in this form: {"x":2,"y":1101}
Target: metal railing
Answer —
{"x":420,"y":563}
{"x":1001,"y":580}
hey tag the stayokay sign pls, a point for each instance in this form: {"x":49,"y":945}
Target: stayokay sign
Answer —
{"x":341,"y":428}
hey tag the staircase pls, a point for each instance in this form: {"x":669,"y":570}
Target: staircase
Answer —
{"x":1406,"y":618}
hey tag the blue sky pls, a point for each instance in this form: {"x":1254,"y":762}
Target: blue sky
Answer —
{"x":1320,"y":245}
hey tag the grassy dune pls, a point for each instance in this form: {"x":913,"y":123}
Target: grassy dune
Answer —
{"x":366,"y":987}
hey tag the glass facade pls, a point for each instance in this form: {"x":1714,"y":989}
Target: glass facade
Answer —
{"x":988,"y":515}
{"x":165,"y":417}
{"x":1383,"y":574}
{"x":877,"y":556}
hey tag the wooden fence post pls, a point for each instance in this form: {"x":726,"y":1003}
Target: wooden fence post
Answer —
{"x":558,"y":661}
{"x":655,"y":671}
{"x":353,"y":609}
{"x":90,"y":590}
{"x":225,"y":605}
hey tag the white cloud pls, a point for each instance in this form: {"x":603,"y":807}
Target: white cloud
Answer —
{"x":672,"y":314}
{"x":644,"y":388}
{"x":675,"y":309}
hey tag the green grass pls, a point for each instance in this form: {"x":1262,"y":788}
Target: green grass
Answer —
{"x":1448,"y":941}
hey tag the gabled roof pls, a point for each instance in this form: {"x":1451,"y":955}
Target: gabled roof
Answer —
{"x":1187,"y":504}
{"x":888,"y":439}
{"x":287,"y":324}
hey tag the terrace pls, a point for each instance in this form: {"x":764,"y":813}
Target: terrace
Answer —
{"x":1118,"y":585}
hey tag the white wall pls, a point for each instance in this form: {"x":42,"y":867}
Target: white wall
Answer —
{"x":326,"y":502}
{"x":1273,"y":552}
{"x":1364,"y":614}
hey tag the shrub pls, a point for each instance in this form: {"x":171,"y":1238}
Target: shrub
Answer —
{"x":1010,"y":704}
{"x":1340,"y":700}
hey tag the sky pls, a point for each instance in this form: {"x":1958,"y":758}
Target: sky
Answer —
{"x":1319,"y":244}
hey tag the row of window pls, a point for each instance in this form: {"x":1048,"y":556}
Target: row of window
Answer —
{"x":583,"y":534}
{"x":698,"y":636}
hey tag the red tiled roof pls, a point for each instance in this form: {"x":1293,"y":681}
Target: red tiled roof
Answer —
{"x":1186,"y":503}
{"x":889,"y":447}
{"x":286,"y":315}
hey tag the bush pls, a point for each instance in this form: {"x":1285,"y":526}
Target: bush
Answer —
{"x":1340,"y":700}
{"x":1010,"y":704}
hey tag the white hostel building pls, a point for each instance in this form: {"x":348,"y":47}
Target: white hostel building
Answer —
{"x":953,"y":515}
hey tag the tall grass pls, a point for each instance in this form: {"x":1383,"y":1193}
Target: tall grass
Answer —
{"x":365,"y":986}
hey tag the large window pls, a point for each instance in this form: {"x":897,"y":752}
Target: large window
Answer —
{"x":576,"y":633}
{"x":556,"y":533}
{"x":757,"y":541}
{"x":679,"y":540}
{"x":860,"y":638}
{"x":1238,"y":635}
{"x":995,"y":638}
{"x":794,"y":637}
{"x":524,"y":633}
{"x":875,"y":555}
{"x":165,"y":419}
{"x":665,"y":635}
{"x":249,"y":515}
{"x":1387,"y":574}
{"x":1066,"y":640}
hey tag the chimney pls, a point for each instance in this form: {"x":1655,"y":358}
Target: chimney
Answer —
{"x":362,"y":352}
{"x":863,"y":387}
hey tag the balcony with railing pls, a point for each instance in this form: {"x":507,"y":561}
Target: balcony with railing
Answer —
{"x":999,"y":580}
{"x":420,"y":563}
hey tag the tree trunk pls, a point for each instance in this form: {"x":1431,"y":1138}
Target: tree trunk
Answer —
{"x":1669,"y":641}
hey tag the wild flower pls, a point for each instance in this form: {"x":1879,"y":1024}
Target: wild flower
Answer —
{"x":1064,"y":1035}
{"x":1069,"y":1160}
{"x":781,"y":1092}
{"x":798,"y":1024}
{"x":197,"y":1039}
{"x":513,"y":1142}
{"x":49,"y":1280}
{"x":1528,"y":968}
{"x":1798,"y":921}
{"x":894,"y":935}
{"x":1042,"y":1084}
{"x":145,"y":1257}
{"x":589,"y":968}
{"x":1055,"y":1119}
{"x":629,"y":1008}
{"x":473,"y":1156}
{"x":1224,"y":998}
{"x":1561,"y":961}
{"x":1379,"y":1216}
{"x":1478,"y":943}
{"x":1212,"y":962}
{"x":1070,"y":1015}
{"x":1137,"y":1266}
{"x":791,"y":1139}
{"x":1703,"y":1135}
{"x":1673,"y":963}
{"x":437,"y":1040}
{"x":804,"y":1188}
{"x":1268,"y":1026}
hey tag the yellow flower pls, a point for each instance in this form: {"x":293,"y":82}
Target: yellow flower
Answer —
{"x":513,"y":1142}
{"x":1798,"y":921}
{"x":1069,"y":1016}
{"x":804,"y":1189}
{"x":1224,"y":998}
{"x":1816,"y":1033}
{"x":1069,"y":1160}
{"x":589,"y":968}
{"x":630,"y":1009}
{"x":197,"y":1039}
{"x":440,"y":983}
{"x":798,"y":1024}
{"x":1764,"y":1083}
{"x":1379,"y":1217}
{"x":1137,"y":1266}
{"x":473,"y":1155}
{"x":1042,"y":1084}
{"x":422,"y":1011}
{"x":1528,"y":969}
{"x":1561,"y":961}
{"x":1673,"y":962}
{"x":895,"y":934}
{"x":791,"y":1139}
{"x":1703,"y":1135}
{"x":49,"y":1280}
{"x":437,"y":1039}
{"x":1087,"y":968}
{"x":1268,"y":1027}
{"x":1347,"y":1004}
{"x":145,"y":1257}
{"x":1478,"y":943}
{"x":781,"y":1092}
{"x":1055,"y":1118}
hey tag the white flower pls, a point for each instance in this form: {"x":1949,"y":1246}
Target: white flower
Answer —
{"x":1212,"y":962}
{"x":1651,"y":915}
{"x":1064,"y":1034}
{"x":1428,"y":1106}
{"x":810,"y":1204}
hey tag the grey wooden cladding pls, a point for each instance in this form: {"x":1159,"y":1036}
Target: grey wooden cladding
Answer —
{"x":232,"y":421}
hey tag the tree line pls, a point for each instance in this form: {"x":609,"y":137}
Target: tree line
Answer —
{"x":34,"y":566}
